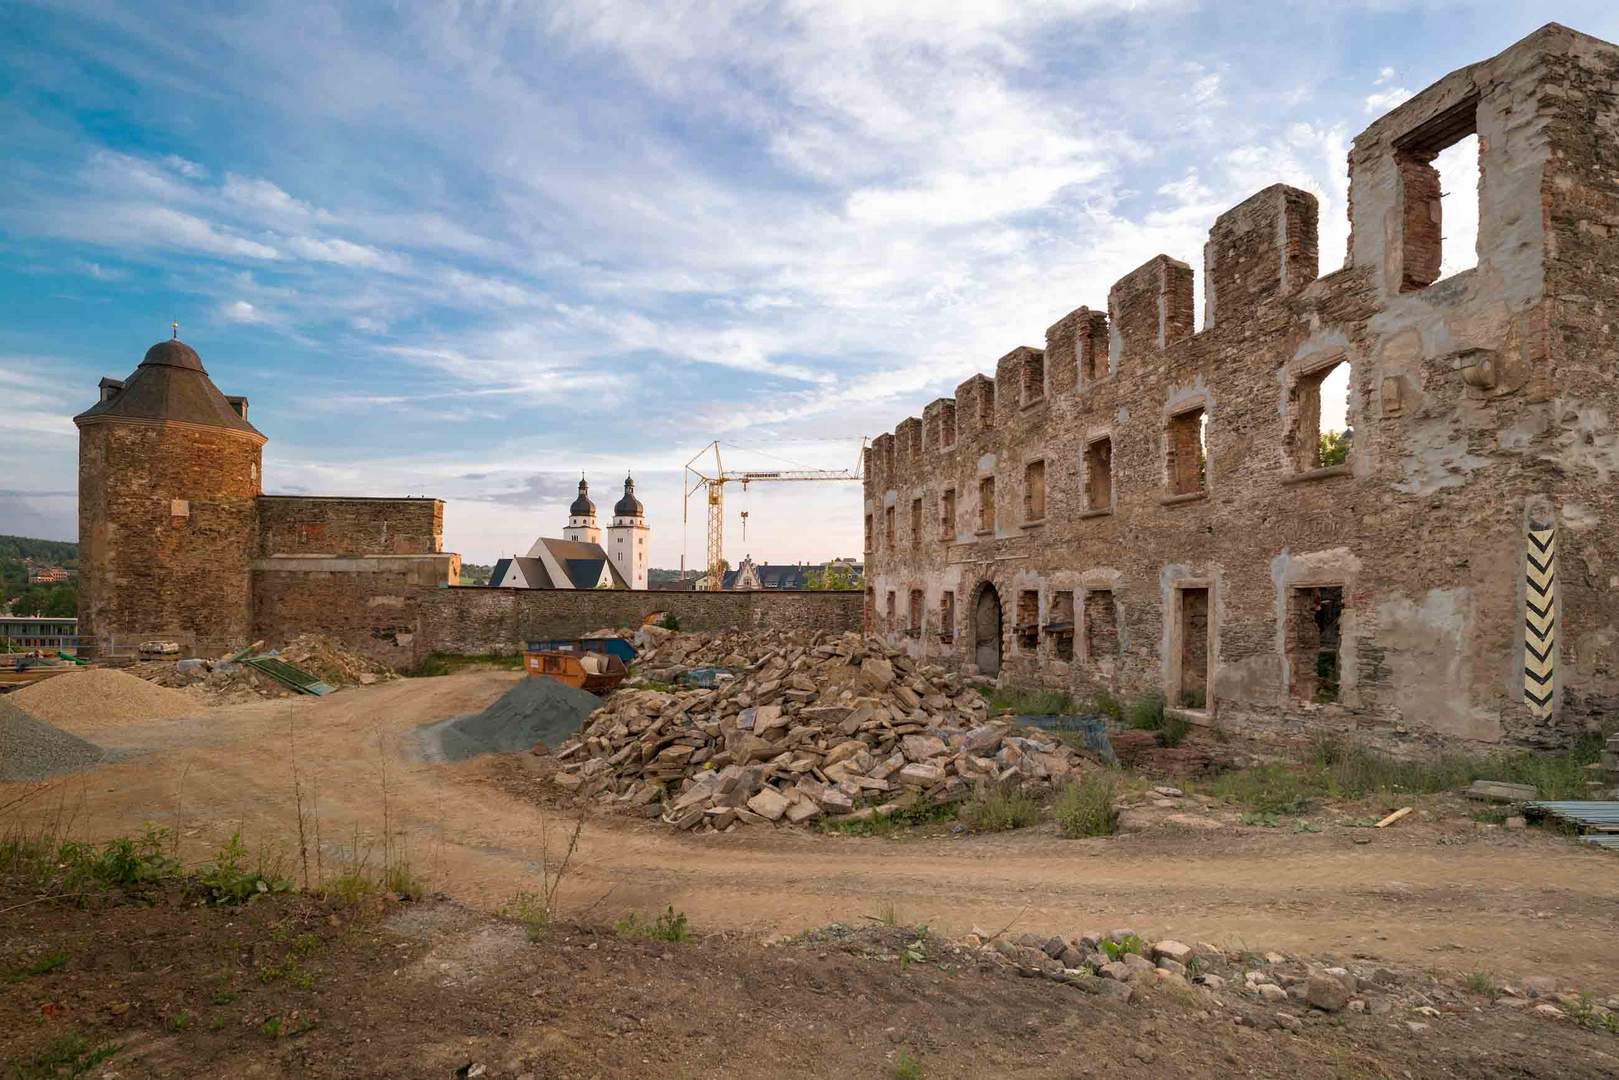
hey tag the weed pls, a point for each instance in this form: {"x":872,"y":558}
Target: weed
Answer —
{"x":670,"y":925}
{"x":904,"y":1066}
{"x":1118,"y":948}
{"x":288,"y":969}
{"x":43,"y":966}
{"x":224,"y":997}
{"x":351,"y":886}
{"x":179,"y":1021}
{"x":1106,"y":705}
{"x":1585,"y":1012}
{"x":1002,"y":811}
{"x":1491,"y":815}
{"x":217,"y":1024}
{"x":887,"y":914}
{"x":1483,"y":984}
{"x":1300,"y":825}
{"x":448,"y":663}
{"x":225,"y":881}
{"x":272,"y":1027}
{"x":402,"y":881}
{"x":1085,"y":807}
{"x":1261,"y":820}
{"x":1030,"y":702}
{"x":1146,"y":713}
{"x":67,"y":1056}
{"x":670,"y":621}
{"x":529,"y":909}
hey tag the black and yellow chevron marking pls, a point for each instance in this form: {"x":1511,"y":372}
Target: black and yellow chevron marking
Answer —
{"x":1540,"y":620}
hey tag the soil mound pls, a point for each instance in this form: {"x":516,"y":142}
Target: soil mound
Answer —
{"x":101,"y":698}
{"x":535,"y":710}
{"x":31,"y":749}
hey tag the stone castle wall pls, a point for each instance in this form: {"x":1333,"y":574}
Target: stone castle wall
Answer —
{"x":333,"y":525}
{"x":399,"y":610}
{"x":1070,"y":492}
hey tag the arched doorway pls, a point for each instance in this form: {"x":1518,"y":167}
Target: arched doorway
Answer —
{"x":987,"y":631}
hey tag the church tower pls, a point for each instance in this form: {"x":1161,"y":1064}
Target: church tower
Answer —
{"x":627,"y":537}
{"x":582,"y":518}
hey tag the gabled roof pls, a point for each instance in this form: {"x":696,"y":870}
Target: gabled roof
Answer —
{"x":565,"y":564}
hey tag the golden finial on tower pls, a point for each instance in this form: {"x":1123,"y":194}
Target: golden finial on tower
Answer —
{"x":175,"y":328}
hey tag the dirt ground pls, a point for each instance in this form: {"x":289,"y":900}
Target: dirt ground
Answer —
{"x":287,"y":987}
{"x":1426,"y":893}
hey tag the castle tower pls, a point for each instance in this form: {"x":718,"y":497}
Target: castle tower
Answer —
{"x":627,"y":537}
{"x":582,"y":518}
{"x":169,"y":477}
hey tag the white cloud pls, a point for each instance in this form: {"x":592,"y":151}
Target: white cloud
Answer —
{"x":240,"y":311}
{"x":1381,"y":101}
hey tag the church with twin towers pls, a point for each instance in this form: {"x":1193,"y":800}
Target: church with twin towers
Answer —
{"x":580,"y":560}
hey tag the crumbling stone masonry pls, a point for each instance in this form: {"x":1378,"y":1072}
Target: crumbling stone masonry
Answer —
{"x":1143,"y":508}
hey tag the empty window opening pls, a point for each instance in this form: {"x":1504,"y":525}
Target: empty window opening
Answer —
{"x":1060,"y":624}
{"x":1099,"y":475}
{"x":915,"y":628}
{"x":1101,"y":628}
{"x":888,"y":527}
{"x":986,"y":504}
{"x":1192,"y":693}
{"x":1034,"y":378}
{"x":1314,"y":643}
{"x":947,"y":617}
{"x":1093,"y":353}
{"x":986,"y":404}
{"x":1321,"y":434}
{"x":916,"y":522}
{"x":1188,"y":470}
{"x":1034,"y":491}
{"x":891,"y":608}
{"x":947,"y":515}
{"x":1028,"y":619}
{"x":1439,"y":171}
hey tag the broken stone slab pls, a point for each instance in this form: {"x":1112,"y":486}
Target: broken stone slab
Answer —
{"x":1326,"y":993}
{"x":922,"y":747}
{"x":1502,"y":792}
{"x":769,"y":804}
{"x":920,"y":774}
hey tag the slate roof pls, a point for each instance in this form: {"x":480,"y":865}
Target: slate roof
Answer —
{"x":581,"y":562}
{"x":780,"y":575}
{"x":169,"y":384}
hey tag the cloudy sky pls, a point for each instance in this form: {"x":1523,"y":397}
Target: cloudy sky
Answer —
{"x":473,"y":249}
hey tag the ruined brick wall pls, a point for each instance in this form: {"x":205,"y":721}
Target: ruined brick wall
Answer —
{"x":1479,"y":404}
{"x":167,"y":526}
{"x":307,"y":525}
{"x":399,"y":611}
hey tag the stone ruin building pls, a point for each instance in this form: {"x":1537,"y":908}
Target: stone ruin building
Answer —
{"x":1142,"y":507}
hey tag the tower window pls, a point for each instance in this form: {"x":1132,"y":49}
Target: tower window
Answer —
{"x":1034,"y":491}
{"x":1321,"y":436}
{"x":1440,"y":175}
{"x":916,"y":522}
{"x":888,"y":527}
{"x":947,"y":515}
{"x":1034,"y":378}
{"x":986,"y":505}
{"x":1099,"y":474}
{"x":1185,"y":445}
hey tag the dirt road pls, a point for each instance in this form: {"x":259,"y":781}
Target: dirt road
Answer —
{"x":1512,"y":903}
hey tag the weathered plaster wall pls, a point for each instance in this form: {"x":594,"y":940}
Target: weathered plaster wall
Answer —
{"x":334,"y":525}
{"x":1479,"y":403}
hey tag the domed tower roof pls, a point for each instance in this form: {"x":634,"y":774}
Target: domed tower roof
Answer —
{"x":170,"y":384}
{"x":582,"y":506}
{"x":629,"y":505}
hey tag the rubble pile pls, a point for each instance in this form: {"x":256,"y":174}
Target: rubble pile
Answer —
{"x":326,"y":659}
{"x":664,"y":655}
{"x":813,"y":725}
{"x":217,"y":679}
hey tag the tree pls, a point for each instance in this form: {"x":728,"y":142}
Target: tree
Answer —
{"x":834,"y":577}
{"x":1333,"y":449}
{"x":54,"y":602}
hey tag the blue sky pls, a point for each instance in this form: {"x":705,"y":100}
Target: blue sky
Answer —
{"x":469,"y":250}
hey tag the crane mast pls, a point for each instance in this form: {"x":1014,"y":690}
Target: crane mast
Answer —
{"x":714,"y":490}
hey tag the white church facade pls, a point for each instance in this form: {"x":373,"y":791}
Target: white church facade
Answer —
{"x":580,"y":560}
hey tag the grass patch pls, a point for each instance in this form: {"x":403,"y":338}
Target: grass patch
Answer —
{"x":904,"y":1066}
{"x":670,"y":925}
{"x":70,"y":1055}
{"x":1104,"y":704}
{"x":1002,"y":811}
{"x":1118,"y":948}
{"x":1148,"y":713}
{"x":900,"y":820}
{"x":1030,"y":702}
{"x":1085,"y":807}
{"x":439,"y":663}
{"x":1340,"y":769}
{"x":1482,"y":984}
{"x":43,"y":966}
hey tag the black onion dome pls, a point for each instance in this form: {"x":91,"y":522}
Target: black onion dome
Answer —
{"x":582,"y":506}
{"x":629,"y":505}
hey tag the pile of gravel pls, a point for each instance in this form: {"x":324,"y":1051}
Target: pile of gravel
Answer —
{"x":31,"y":749}
{"x":535,"y":710}
{"x":95,"y":699}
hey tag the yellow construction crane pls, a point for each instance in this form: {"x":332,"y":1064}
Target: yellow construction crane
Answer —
{"x":714,"y":487}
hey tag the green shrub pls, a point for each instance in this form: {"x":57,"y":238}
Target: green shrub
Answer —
{"x":1146,"y":713}
{"x":669,"y":621}
{"x":226,"y":881}
{"x":1108,"y":706}
{"x":1030,"y":702}
{"x":1085,"y":807}
{"x":1002,"y":811}
{"x":904,"y":1066}
{"x":1118,"y":948}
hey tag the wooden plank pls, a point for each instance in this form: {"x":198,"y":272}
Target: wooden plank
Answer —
{"x":1392,"y":818}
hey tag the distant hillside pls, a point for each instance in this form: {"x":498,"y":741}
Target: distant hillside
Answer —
{"x":17,"y":596}
{"x":54,"y":552}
